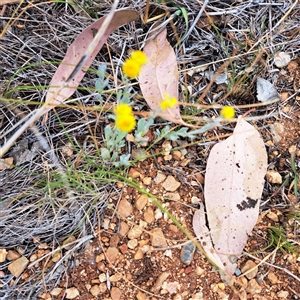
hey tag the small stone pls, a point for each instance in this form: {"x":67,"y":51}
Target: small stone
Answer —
{"x":159,"y":281}
{"x":158,"y":214}
{"x":114,"y":240}
{"x":242,"y":282}
{"x":12,"y":255}
{"x":135,"y":232}
{"x":281,"y":59}
{"x":138,"y":254}
{"x":141,"y":202}
{"x":123,"y":248}
{"x":177,"y":155}
{"x":43,"y":246}
{"x":160,"y":177}
{"x":149,"y":215}
{"x":173,"y":196}
{"x":253,"y":287}
{"x":249,"y":265}
{"x":199,"y":271}
{"x":283,"y":294}
{"x":67,"y":150}
{"x":33,"y":257}
{"x":132,"y":244}
{"x":56,"y":291}
{"x":103,"y":287}
{"x":2,"y":274}
{"x":56,"y":257}
{"x":171,"y":184}
{"x":273,"y":278}
{"x":124,"y":228}
{"x":18,"y":266}
{"x":195,"y":200}
{"x":272,"y":216}
{"x":158,"y":239}
{"x":115,"y":293}
{"x":134,"y":173}
{"x":141,"y":296}
{"x":273,"y":177}
{"x":147,"y":180}
{"x":72,"y":293}
{"x":102,"y":277}
{"x":116,"y":277}
{"x":124,"y":208}
{"x":3,"y":254}
{"x":112,"y":254}
{"x":187,"y":253}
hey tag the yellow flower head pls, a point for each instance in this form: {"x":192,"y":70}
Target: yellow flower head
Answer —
{"x":125,"y":122}
{"x":123,"y":109}
{"x":139,"y":56}
{"x":132,"y":65}
{"x":227,"y":112}
{"x":131,"y":68}
{"x":168,"y":102}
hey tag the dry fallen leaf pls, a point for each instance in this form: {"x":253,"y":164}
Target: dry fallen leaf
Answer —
{"x":75,"y":53}
{"x":233,"y":186}
{"x":160,"y":76}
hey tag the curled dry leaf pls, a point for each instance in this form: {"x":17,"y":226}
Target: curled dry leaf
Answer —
{"x":75,"y":53}
{"x":159,"y":76}
{"x":233,"y":186}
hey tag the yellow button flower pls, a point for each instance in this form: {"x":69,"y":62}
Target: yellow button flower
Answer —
{"x":168,"y":102}
{"x":123,"y":109}
{"x":125,"y":122}
{"x":227,"y":112}
{"x":132,"y":66}
{"x":139,"y":56}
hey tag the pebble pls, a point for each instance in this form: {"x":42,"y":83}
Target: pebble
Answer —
{"x":173,"y":196}
{"x":124,"y":228}
{"x":273,"y":278}
{"x":43,"y":246}
{"x":273,"y":177}
{"x":159,"y":281}
{"x":18,"y":266}
{"x":116,"y":277}
{"x":283,"y":294}
{"x":158,"y":239}
{"x":102,"y":277}
{"x":141,"y":296}
{"x":95,"y":290}
{"x":135,"y":232}
{"x":147,"y":180}
{"x":72,"y":293}
{"x":158,"y":214}
{"x":132,"y":244}
{"x":56,"y":291}
{"x":247,"y":266}
{"x":103,"y":287}
{"x":281,"y":59}
{"x":112,"y":254}
{"x":141,"y":202}
{"x":171,"y":184}
{"x":12,"y":255}
{"x":253,"y":287}
{"x":115,"y":293}
{"x":134,"y":173}
{"x":195,"y":200}
{"x":187,"y":253}
{"x":3,"y":254}
{"x":149,"y":215}
{"x":199,"y":271}
{"x":123,"y":248}
{"x":124,"y":208}
{"x":114,"y":240}
{"x":138,"y":254}
{"x":160,"y":177}
{"x":272,"y":216}
{"x":55,"y":258}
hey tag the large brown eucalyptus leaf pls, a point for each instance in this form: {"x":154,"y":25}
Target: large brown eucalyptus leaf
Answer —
{"x":159,"y":76}
{"x":233,"y":186}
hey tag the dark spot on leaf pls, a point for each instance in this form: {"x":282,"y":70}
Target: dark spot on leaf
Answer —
{"x":249,"y":203}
